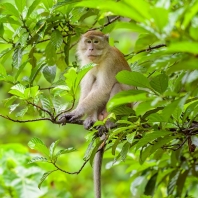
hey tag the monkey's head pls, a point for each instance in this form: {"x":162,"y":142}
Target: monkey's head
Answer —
{"x":93,"y":46}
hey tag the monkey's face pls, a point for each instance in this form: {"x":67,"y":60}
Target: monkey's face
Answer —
{"x":93,"y":47}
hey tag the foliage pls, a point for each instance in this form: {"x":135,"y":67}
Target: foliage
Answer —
{"x":38,"y":69}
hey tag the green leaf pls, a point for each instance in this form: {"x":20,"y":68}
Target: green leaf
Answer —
{"x":46,"y":103}
{"x":35,"y":71}
{"x":130,"y":137}
{"x":160,"y":16}
{"x":56,"y":38}
{"x":10,"y":9}
{"x":144,"y":153}
{"x":133,"y":78}
{"x":89,"y":150}
{"x":38,"y":159}
{"x":81,"y":74}
{"x":133,"y":11}
{"x":149,"y":137}
{"x":130,"y":25}
{"x":50,"y":53}
{"x":45,"y":175}
{"x":22,"y":112}
{"x":170,"y":108}
{"x":190,"y":64}
{"x":18,"y":90}
{"x":160,"y":83}
{"x":191,"y":11}
{"x":53,"y":147}
{"x":17,"y":56}
{"x":64,"y":2}
{"x":144,"y":41}
{"x":124,"y":151}
{"x":1,"y":29}
{"x":183,"y":46}
{"x":49,"y":73}
{"x":31,"y":92}
{"x":20,"y":4}
{"x":64,"y":151}
{"x":126,"y":97}
{"x":33,"y":6}
{"x":37,"y":144}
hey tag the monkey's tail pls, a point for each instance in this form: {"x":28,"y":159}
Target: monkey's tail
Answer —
{"x":97,"y":172}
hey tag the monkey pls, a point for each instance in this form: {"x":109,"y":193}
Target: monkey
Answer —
{"x":98,"y":86}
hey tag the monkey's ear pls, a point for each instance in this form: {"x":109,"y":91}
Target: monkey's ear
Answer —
{"x":107,"y":37}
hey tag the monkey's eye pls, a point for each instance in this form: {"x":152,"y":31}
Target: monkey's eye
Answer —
{"x":96,"y":41}
{"x":88,"y":41}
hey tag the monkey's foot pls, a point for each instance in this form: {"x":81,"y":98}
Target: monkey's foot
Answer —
{"x":67,"y":117}
{"x":101,"y":130}
{"x":88,"y":123}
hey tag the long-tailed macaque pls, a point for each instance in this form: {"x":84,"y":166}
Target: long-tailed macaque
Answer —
{"x":97,"y":86}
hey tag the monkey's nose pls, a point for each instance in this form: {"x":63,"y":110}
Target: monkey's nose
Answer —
{"x":91,"y":49}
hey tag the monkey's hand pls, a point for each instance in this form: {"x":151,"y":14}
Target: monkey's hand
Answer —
{"x":70,"y":117}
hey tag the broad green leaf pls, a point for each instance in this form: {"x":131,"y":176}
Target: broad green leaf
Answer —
{"x":47,"y":103}
{"x":53,"y":147}
{"x":124,"y":151}
{"x":20,"y":69}
{"x":33,"y":6}
{"x":144,"y":41}
{"x":173,"y":181}
{"x":38,"y":159}
{"x":13,"y":107}
{"x":65,"y":2}
{"x":64,"y":151}
{"x":189,"y":110}
{"x":169,"y":109}
{"x":133,"y":78}
{"x":190,"y":64}
{"x":162,"y":175}
{"x":37,"y":144}
{"x":130,"y":25}
{"x":61,"y":64}
{"x":20,"y":4}
{"x":141,"y":7}
{"x":160,"y":16}
{"x":160,"y":83}
{"x":181,"y":182}
{"x":149,"y":137}
{"x":9,"y":8}
{"x":70,"y":78}
{"x":35,"y":71}
{"x":31,"y":92}
{"x":50,"y":53}
{"x":1,"y":29}
{"x":49,"y":73}
{"x":190,"y":13}
{"x":4,"y":52}
{"x":56,"y":38}
{"x":132,"y":11}
{"x":161,"y":141}
{"x":126,"y":97}
{"x":81,"y":74}
{"x":183,"y":46}
{"x":18,"y":90}
{"x":144,"y":153}
{"x":22,"y":112}
{"x":156,"y":117}
{"x":130,"y":137}
{"x":17,"y":56}
{"x":89,"y":150}
{"x":45,"y":175}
